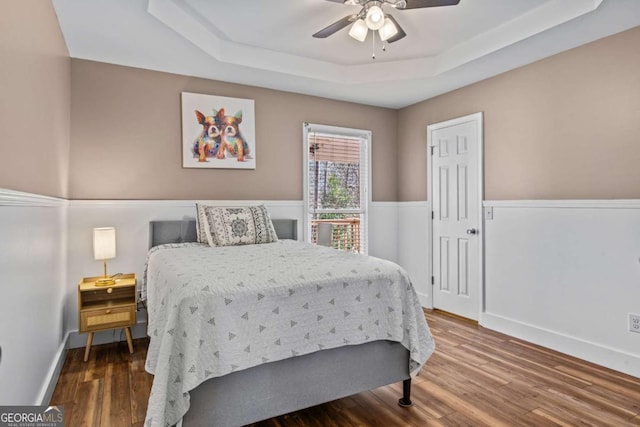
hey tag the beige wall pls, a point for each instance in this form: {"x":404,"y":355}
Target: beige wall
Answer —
{"x":566,"y":127}
{"x":34,"y":99}
{"x":126,"y":138}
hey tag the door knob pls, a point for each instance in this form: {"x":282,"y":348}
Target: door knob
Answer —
{"x":472,"y":231}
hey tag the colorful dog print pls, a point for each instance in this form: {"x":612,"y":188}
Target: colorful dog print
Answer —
{"x":208,"y":143}
{"x":232,"y":140}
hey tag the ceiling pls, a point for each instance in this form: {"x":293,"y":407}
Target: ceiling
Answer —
{"x":269,"y":44}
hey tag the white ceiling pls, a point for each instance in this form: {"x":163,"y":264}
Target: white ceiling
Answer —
{"x":269,"y":43}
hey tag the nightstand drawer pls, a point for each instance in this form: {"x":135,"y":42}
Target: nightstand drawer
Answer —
{"x":107,"y":293}
{"x":107,"y":318}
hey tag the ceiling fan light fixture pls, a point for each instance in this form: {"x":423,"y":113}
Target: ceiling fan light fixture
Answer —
{"x":375,"y":17}
{"x":398,"y":4}
{"x":388,"y":30}
{"x":359,"y":30}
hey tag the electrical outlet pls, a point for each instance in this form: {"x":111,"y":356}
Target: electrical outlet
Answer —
{"x":634,"y":322}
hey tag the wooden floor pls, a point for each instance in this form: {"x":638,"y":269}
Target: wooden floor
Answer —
{"x":476,"y":377}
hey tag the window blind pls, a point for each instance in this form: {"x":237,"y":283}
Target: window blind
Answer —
{"x":337,"y":193}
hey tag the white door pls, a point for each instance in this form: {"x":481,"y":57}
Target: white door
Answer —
{"x":456,"y":196}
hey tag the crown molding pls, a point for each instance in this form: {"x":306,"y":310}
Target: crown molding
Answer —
{"x":181,"y":19}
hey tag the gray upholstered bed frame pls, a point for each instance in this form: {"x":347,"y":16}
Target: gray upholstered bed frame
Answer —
{"x":180,"y":231}
{"x":277,"y":388}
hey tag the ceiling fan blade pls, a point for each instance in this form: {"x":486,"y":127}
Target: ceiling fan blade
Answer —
{"x":349,"y":2}
{"x":417,"y":4}
{"x":401,"y":34}
{"x":335,"y":27}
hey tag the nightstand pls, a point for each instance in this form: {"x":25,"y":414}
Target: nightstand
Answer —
{"x":107,"y":307}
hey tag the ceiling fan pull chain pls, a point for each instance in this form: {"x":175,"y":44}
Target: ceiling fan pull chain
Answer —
{"x":373,"y":53}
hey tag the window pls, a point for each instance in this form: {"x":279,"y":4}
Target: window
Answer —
{"x":336,"y":185}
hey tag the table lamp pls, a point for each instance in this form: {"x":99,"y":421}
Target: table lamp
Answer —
{"x":104,"y":248}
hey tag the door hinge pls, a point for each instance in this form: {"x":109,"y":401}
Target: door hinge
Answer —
{"x":432,"y":148}
{"x":432,"y":281}
{"x":432,"y":215}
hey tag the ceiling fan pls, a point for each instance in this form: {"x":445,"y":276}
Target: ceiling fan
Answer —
{"x":372,"y":17}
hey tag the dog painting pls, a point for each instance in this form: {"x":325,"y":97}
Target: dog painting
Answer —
{"x":208,"y":143}
{"x":232,"y":140}
{"x":218,"y":132}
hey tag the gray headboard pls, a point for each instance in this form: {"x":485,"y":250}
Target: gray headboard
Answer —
{"x":180,"y":231}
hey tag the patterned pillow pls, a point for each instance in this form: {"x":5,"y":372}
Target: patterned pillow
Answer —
{"x":245,"y":225}
{"x":201,"y":221}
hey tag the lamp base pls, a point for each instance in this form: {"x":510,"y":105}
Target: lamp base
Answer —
{"x":105,"y":281}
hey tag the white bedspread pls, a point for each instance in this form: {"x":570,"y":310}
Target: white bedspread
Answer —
{"x":213,"y":311}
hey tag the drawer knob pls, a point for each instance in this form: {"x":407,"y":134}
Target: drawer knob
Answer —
{"x":108,"y":311}
{"x":109,"y":290}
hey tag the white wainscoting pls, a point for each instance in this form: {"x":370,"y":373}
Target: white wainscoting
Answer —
{"x":131,"y":220}
{"x":32,"y":275}
{"x":413,"y":246}
{"x":562,"y":274}
{"x":565,"y":275}
{"x":383,"y":235}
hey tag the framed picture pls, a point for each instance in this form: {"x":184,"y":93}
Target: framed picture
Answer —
{"x":218,"y":132}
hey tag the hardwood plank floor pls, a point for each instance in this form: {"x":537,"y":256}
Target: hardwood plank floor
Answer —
{"x":476,"y":377}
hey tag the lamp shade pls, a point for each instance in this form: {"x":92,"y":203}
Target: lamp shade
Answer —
{"x":388,"y":30}
{"x":359,"y":30}
{"x":104,"y":243}
{"x":375,"y":18}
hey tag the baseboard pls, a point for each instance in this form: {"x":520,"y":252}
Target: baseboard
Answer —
{"x":74,"y":339}
{"x":54,"y":373}
{"x":425,"y":301}
{"x":585,"y":350}
{"x":77,"y":340}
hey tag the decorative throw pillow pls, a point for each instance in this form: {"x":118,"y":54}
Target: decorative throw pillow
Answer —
{"x":246,"y":225}
{"x":201,"y":221}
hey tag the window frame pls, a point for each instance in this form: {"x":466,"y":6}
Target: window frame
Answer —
{"x":365,"y":169}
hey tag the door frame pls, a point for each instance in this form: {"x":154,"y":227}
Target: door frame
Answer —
{"x":479,"y":122}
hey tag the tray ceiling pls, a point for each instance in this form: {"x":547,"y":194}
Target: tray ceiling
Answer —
{"x":269,"y":43}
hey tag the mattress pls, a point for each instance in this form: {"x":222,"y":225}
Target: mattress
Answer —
{"x":218,"y":310}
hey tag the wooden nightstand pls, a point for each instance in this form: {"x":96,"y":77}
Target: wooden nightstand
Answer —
{"x":107,"y":307}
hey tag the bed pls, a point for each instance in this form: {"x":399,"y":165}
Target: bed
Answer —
{"x":241,"y":334}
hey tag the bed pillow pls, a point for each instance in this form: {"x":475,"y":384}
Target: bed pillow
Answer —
{"x":244,"y":225}
{"x":201,"y":223}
